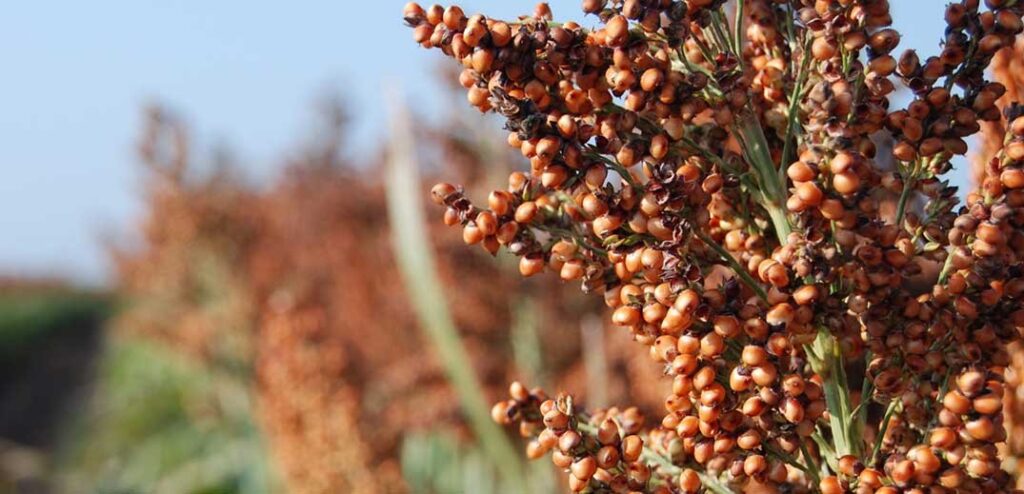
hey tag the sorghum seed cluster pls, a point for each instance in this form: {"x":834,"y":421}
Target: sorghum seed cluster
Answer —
{"x":738,"y":185}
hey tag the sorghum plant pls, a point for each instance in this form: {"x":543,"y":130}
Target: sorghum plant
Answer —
{"x":1007,"y":68}
{"x":739,"y":185}
{"x":184,"y":279}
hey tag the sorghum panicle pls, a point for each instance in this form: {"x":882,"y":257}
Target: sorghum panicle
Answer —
{"x":738,"y":184}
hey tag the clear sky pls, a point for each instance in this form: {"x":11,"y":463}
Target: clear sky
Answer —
{"x":244,"y":74}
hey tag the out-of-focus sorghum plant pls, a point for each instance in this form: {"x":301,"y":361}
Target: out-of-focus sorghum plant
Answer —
{"x":718,"y":172}
{"x":183,"y":277}
{"x":1007,"y":68}
{"x":281,"y":291}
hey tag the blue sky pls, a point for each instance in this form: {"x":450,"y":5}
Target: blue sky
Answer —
{"x":244,"y":74}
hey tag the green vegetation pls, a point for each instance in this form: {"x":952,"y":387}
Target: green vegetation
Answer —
{"x":28,"y":317}
{"x":162,"y":424}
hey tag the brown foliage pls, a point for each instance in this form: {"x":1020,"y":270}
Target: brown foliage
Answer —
{"x":185,"y":277}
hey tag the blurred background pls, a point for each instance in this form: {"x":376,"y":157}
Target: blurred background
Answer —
{"x":219,"y":272}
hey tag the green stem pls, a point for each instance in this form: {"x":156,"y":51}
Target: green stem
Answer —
{"x":901,"y":207}
{"x":723,"y":40}
{"x":813,"y":469}
{"x":884,"y":426}
{"x":946,"y":267}
{"x":563,"y":233}
{"x":734,"y":264}
{"x":786,"y":458}
{"x":651,"y":456}
{"x":737,"y":30}
{"x":909,"y":181}
{"x":866,"y":388}
{"x":527,"y":351}
{"x":943,"y":389}
{"x":772,"y":179}
{"x":825,"y":450}
{"x":790,"y":28}
{"x":710,"y":482}
{"x":705,"y":51}
{"x":713,"y":484}
{"x":827,"y":361}
{"x":617,"y":167}
{"x":780,"y":220}
{"x":968,"y":60}
{"x":794,"y":107}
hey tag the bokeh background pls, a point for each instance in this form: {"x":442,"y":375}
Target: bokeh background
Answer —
{"x":211,"y":260}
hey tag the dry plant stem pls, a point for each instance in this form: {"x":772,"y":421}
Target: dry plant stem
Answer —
{"x":417,"y":265}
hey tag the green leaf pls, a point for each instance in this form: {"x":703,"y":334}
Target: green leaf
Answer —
{"x":827,"y":361}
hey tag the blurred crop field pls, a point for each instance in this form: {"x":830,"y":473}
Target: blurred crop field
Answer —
{"x":323,"y":332}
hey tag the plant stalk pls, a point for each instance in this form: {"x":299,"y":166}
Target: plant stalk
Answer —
{"x":813,"y":469}
{"x":737,"y":30}
{"x":416,"y":263}
{"x":826,"y":360}
{"x":734,"y":264}
{"x":771,"y":178}
{"x":883,"y":426}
